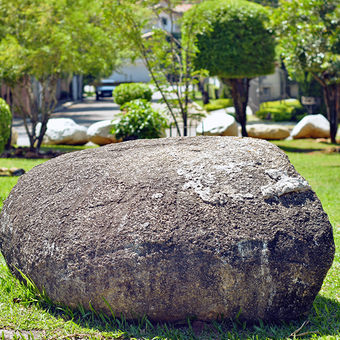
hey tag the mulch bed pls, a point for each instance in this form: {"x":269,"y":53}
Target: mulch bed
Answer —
{"x":25,"y":152}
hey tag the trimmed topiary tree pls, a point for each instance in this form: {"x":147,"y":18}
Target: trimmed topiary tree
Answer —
{"x":5,"y":124}
{"x":234,"y":44}
{"x":125,"y":93}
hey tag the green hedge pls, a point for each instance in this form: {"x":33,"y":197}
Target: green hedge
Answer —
{"x":5,"y":124}
{"x":281,"y":111}
{"x":139,"y":121}
{"x":219,"y":104}
{"x":125,"y":93}
{"x":287,"y":102}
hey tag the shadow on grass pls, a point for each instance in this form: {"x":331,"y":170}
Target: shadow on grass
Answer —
{"x":322,"y":320}
{"x":297,"y":149}
{"x":67,"y":148}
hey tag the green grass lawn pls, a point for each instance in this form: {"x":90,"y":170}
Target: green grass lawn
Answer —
{"x":34,"y":313}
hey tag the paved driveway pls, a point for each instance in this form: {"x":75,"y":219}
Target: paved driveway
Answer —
{"x":85,"y":113}
{"x":88,"y":112}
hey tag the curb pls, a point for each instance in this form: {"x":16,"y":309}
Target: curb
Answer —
{"x":66,"y":105}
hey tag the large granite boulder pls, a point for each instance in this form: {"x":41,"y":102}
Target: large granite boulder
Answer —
{"x":64,"y":131}
{"x":171,"y":228}
{"x":312,"y":126}
{"x":269,"y":132}
{"x":218,"y":123}
{"x":100,"y":132}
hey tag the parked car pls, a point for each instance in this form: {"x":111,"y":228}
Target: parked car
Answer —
{"x":105,"y":89}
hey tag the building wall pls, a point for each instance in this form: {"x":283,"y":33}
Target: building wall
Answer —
{"x":136,"y":72}
{"x":271,"y":87}
{"x":167,"y":22}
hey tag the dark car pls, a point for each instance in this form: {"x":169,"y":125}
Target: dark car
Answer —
{"x":105,"y":89}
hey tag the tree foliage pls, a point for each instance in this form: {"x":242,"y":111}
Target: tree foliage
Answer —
{"x":309,"y":37}
{"x":233,"y":43}
{"x":40,"y":40}
{"x":168,"y":59}
{"x":270,"y":3}
{"x":5,"y":123}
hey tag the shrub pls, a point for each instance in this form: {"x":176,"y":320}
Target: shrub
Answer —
{"x":125,"y":93}
{"x":219,"y":104}
{"x":286,"y":102}
{"x":225,"y":92}
{"x":138,"y":121}
{"x":264,"y":114}
{"x":281,"y":116}
{"x":280,"y":111}
{"x":212,"y":89}
{"x":5,"y":124}
{"x":276,"y":114}
{"x":298,"y":113}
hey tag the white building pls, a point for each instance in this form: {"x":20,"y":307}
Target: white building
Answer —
{"x":137,"y":72}
{"x":271,"y":87}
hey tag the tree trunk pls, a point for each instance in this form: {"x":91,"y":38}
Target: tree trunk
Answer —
{"x":205,"y":94}
{"x":239,"y":91}
{"x":205,"y":97}
{"x":332,"y":100}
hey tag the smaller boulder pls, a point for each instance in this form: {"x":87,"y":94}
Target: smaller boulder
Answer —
{"x":31,"y":155}
{"x":14,"y":137}
{"x":18,"y":152}
{"x":64,"y":131}
{"x":312,"y":126}
{"x":4,"y":172}
{"x":99,"y":133}
{"x":268,"y":132}
{"x":16,"y":171}
{"x":218,"y":124}
{"x":231,"y":110}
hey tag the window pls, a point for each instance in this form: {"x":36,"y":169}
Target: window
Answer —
{"x":164,"y":21}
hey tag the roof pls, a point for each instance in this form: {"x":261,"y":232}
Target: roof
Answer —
{"x":182,"y":8}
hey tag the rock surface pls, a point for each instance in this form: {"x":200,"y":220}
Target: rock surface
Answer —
{"x":99,"y":133}
{"x":312,"y":126}
{"x":64,"y":131}
{"x":266,"y":131}
{"x":171,"y":228}
{"x":218,"y":124}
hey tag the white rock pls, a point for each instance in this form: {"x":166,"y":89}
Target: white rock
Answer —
{"x":64,"y":131}
{"x":269,"y":132}
{"x":313,"y":126}
{"x":231,"y":110}
{"x":99,"y":133}
{"x":14,"y":137}
{"x":218,"y":124}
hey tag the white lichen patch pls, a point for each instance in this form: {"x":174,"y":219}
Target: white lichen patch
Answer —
{"x":157,"y":195}
{"x":214,"y":186}
{"x":284,"y":184}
